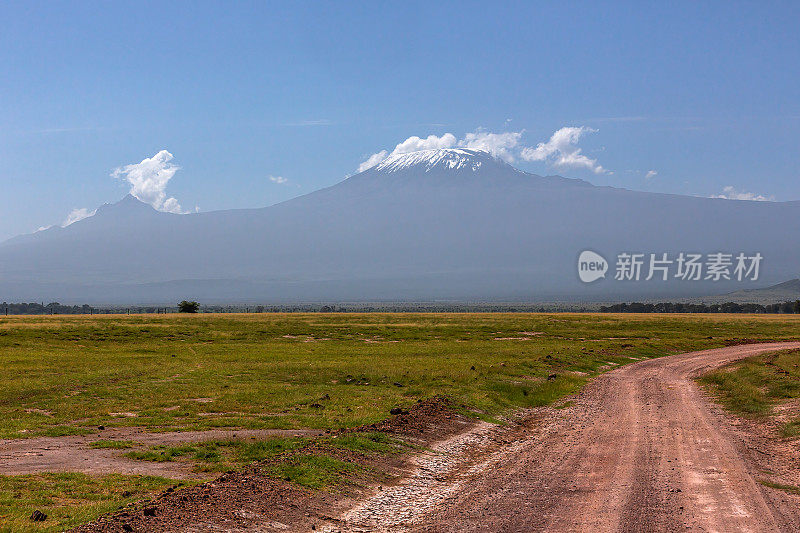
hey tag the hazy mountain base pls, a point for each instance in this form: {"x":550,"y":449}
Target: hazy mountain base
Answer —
{"x":786,"y":291}
{"x":778,"y":298}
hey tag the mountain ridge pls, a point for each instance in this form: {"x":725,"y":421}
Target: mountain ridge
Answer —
{"x":129,"y":203}
{"x":452,"y":231}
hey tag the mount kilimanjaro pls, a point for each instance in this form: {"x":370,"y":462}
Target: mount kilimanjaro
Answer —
{"x":450,"y":224}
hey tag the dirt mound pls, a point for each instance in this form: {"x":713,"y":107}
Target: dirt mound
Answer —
{"x":426,"y":421}
{"x":235,"y":501}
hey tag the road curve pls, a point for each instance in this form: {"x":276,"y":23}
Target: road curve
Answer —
{"x":640,"y":450}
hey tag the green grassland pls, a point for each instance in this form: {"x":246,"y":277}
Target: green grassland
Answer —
{"x":66,"y":375}
{"x":224,"y":455}
{"x":753,"y":387}
{"x":68,"y":499}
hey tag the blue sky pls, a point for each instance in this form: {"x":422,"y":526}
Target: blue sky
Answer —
{"x":704,"y":94}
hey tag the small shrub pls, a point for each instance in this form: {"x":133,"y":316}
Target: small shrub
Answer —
{"x":188,"y":307}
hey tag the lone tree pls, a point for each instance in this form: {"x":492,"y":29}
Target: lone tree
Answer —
{"x":188,"y":307}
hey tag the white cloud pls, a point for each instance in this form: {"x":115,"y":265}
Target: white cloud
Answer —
{"x":412,"y":144}
{"x":149,"y":179}
{"x":76,"y":215}
{"x":280,"y":180}
{"x":431,"y":142}
{"x":373,"y":160}
{"x":497,"y":144}
{"x":562,"y":150}
{"x":651,"y":174}
{"x":730,"y":193}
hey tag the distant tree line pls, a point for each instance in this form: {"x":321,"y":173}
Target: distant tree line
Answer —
{"x":53,"y":308}
{"x":728,"y":307}
{"x":56,"y":308}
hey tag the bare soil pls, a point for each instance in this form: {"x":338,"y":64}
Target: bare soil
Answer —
{"x":74,"y":454}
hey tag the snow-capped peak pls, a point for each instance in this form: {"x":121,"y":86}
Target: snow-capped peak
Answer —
{"x":449,"y":158}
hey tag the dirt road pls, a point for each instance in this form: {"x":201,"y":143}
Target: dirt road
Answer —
{"x":639,"y":450}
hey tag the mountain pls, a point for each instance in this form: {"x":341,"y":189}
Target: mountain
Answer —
{"x":128,"y":211}
{"x":788,"y":291}
{"x":441,"y":224}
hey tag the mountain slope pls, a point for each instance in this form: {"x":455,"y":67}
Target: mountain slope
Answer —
{"x":453,"y":224}
{"x":782,"y":292}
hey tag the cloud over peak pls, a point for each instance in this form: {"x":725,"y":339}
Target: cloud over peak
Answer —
{"x":498,"y":144}
{"x":560,"y":151}
{"x":76,"y":215}
{"x":148,"y":180}
{"x":373,"y":160}
{"x":432,"y":142}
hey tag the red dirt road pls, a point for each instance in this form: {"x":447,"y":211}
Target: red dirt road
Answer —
{"x":639,"y":450}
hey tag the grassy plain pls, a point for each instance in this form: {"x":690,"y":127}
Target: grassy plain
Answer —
{"x":754,"y":386}
{"x":67,"y":375}
{"x":68,"y":499}
{"x":757,"y":387}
